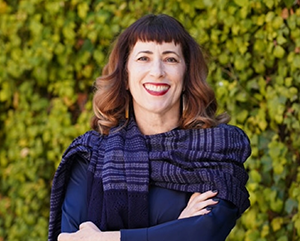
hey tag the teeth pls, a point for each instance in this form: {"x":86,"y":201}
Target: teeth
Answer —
{"x":156,"y":88}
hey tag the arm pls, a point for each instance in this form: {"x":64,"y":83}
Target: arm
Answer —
{"x":222,"y":217}
{"x":89,"y":231}
{"x":215,"y":226}
{"x":74,"y":209}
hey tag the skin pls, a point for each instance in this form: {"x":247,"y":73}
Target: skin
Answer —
{"x":89,"y":232}
{"x":198,"y":204}
{"x":155,"y":81}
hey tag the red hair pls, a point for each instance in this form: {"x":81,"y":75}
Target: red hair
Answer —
{"x":111,"y":97}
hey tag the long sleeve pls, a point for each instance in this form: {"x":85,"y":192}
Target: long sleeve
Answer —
{"x":214,"y":226}
{"x":165,"y":206}
{"x":74,"y":208}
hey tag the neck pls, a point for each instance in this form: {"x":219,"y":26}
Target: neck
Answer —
{"x":156,"y":124}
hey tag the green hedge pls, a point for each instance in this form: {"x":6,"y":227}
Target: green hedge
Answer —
{"x":52,"y":51}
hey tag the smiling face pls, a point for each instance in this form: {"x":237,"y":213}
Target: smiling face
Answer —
{"x":155,"y":78}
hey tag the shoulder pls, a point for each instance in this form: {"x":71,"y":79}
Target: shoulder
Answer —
{"x":232,"y":130}
{"x":234,"y":138}
{"x":88,"y":139}
{"x":83,"y":147}
{"x":84,"y":144}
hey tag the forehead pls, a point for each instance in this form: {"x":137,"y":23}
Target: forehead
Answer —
{"x":152,"y":45}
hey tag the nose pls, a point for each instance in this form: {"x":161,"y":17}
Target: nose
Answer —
{"x":157,"y":69}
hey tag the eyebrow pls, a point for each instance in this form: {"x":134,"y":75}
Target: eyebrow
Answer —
{"x":164,"y":53}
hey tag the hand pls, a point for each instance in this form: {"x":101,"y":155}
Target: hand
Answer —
{"x":199,"y":204}
{"x":88,"y":231}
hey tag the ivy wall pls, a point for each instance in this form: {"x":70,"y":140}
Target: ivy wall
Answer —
{"x":51,"y":51}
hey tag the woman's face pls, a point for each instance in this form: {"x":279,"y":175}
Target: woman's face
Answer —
{"x":155,"y":78}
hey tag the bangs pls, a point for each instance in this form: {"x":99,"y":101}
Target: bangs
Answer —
{"x":158,"y":29}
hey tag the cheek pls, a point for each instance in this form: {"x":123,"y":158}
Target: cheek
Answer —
{"x":129,"y":84}
{"x":129,"y":79}
{"x":183,"y":75}
{"x":180,"y":78}
{"x":132,"y":86}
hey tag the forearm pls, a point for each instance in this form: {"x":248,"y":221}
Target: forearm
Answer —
{"x":110,"y":236}
{"x":214,"y":226}
{"x":89,"y":231}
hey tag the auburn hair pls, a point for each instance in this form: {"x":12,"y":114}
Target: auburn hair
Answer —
{"x":111,"y":97}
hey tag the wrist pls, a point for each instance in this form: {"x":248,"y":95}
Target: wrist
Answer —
{"x":111,"y":236}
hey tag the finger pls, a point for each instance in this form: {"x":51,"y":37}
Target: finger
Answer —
{"x":187,"y":212}
{"x":201,"y":212}
{"x":83,"y":225}
{"x":209,"y":194}
{"x":204,"y":204}
{"x":205,"y":196}
{"x":63,"y":237}
{"x":88,"y":224}
{"x":196,"y":194}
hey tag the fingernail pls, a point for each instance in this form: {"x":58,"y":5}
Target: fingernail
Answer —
{"x":216,"y":199}
{"x":214,"y":191}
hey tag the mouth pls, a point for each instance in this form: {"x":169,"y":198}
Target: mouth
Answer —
{"x":156,"y":89}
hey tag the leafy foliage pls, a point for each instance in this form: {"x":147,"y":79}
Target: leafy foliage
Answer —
{"x":52,"y":51}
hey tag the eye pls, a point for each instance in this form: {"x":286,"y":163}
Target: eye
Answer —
{"x":171,"y":60}
{"x":143,"y":58}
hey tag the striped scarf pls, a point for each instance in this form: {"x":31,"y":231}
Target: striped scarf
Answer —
{"x":124,"y":164}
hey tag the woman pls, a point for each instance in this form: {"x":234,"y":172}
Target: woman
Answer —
{"x":159,"y":165}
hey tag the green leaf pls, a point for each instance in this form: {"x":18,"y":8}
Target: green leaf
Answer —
{"x":296,"y":62}
{"x":288,"y":3}
{"x":290,"y":205}
{"x":241,"y":3}
{"x":276,"y":223}
{"x":82,"y":9}
{"x":279,"y":51}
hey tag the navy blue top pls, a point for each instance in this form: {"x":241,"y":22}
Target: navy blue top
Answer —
{"x":164,"y":208}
